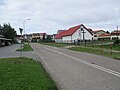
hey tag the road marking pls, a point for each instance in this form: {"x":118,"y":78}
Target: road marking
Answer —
{"x":87,"y":63}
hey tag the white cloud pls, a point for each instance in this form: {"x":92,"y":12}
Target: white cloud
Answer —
{"x":51,"y":15}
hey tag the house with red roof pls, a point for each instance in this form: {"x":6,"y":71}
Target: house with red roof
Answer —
{"x":105,"y":36}
{"x":115,"y":34}
{"x":73,"y":34}
{"x":97,"y":33}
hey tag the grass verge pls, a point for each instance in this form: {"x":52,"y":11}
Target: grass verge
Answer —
{"x":24,"y":74}
{"x":54,"y":44}
{"x":108,"y":47}
{"x":115,"y":55}
{"x":26,"y":47}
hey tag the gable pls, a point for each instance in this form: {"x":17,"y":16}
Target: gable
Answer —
{"x":71,"y":31}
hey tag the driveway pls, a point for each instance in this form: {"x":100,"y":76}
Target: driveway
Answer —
{"x":79,"y":71}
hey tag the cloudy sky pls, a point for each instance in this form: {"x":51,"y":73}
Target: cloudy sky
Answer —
{"x":51,"y":15}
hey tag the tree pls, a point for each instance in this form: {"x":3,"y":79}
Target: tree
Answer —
{"x":108,"y":32}
{"x":43,"y":37}
{"x":8,"y":31}
{"x":49,"y":39}
{"x":1,"y":31}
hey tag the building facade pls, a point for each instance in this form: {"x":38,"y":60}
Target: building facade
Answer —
{"x":74,"y":34}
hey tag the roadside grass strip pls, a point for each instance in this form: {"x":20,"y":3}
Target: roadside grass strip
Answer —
{"x":26,"y":47}
{"x":54,"y":44}
{"x":108,"y":47}
{"x":97,"y":51}
{"x":24,"y":74}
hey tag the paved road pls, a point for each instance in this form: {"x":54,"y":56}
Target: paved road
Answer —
{"x":10,"y":51}
{"x":79,"y":71}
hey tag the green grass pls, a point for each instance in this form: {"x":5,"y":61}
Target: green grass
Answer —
{"x":54,"y":44}
{"x":24,"y":74}
{"x":102,"y":52}
{"x":26,"y":47}
{"x":114,"y":47}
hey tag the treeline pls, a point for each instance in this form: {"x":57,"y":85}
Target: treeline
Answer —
{"x":7,"y":31}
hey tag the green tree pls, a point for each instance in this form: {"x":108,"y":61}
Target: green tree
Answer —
{"x":8,"y":31}
{"x":1,"y":31}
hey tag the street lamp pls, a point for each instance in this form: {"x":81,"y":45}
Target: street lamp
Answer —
{"x":24,"y":28}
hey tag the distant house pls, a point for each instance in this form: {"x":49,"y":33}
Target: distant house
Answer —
{"x":104,"y":36}
{"x":53,"y":37}
{"x":29,"y":37}
{"x":97,"y":33}
{"x":115,"y":34}
{"x":43,"y":35}
{"x":19,"y":38}
{"x":39,"y":36}
{"x":4,"y":41}
{"x":74,"y":34}
{"x":35,"y":35}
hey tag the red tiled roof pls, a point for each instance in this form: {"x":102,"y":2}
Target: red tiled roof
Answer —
{"x":60,"y":35}
{"x":115,"y":32}
{"x":70,"y":31}
{"x":104,"y":35}
{"x":95,"y":31}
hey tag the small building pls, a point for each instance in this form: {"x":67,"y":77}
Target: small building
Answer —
{"x":97,"y":33}
{"x":104,"y":36}
{"x":28,"y":37}
{"x":43,"y":35}
{"x":38,"y":36}
{"x":5,"y":42}
{"x":73,"y":34}
{"x":115,"y":34}
{"x":53,"y":37}
{"x":35,"y":35}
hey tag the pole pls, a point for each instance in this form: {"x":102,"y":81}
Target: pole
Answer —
{"x":21,"y":46}
{"x":21,"y":42}
{"x":24,"y":28}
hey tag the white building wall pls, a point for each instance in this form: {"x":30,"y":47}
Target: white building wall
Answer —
{"x":78,"y":35}
{"x":66,"y":39}
{"x":58,"y":40}
{"x":87,"y":34}
{"x":114,"y":36}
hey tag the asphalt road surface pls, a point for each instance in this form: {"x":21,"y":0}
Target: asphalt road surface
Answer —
{"x":79,"y":71}
{"x":10,"y":51}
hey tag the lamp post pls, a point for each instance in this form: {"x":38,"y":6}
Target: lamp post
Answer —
{"x":24,"y":28}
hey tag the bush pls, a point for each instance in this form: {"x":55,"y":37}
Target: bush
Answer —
{"x":117,"y":41}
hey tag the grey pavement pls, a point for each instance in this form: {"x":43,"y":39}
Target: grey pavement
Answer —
{"x":73,"y":71}
{"x":10,"y":51}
